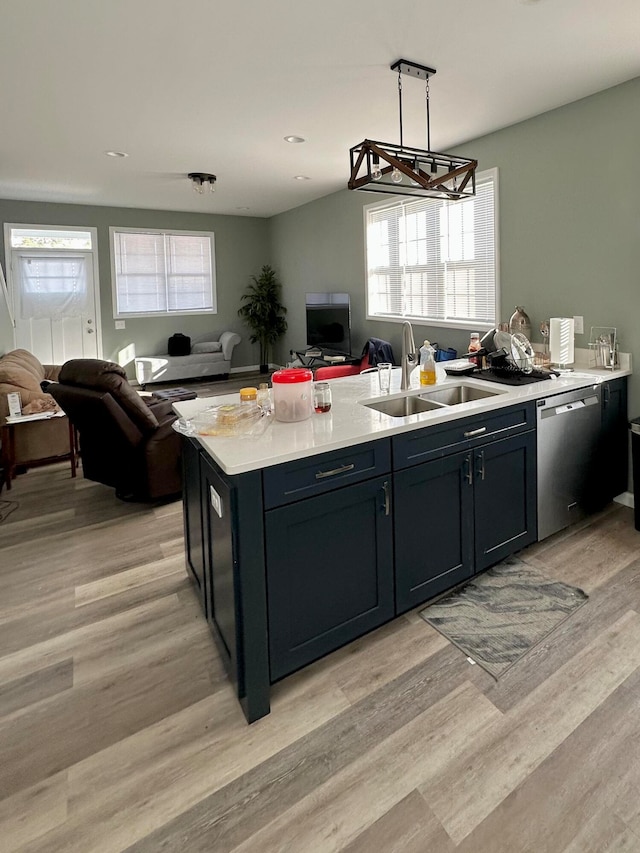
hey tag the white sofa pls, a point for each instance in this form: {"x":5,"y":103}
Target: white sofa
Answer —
{"x":170,"y":368}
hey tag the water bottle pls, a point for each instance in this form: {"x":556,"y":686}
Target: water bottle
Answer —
{"x":427,"y":364}
{"x":474,"y":346}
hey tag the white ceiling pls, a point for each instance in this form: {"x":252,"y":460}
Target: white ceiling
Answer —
{"x":206,"y":85}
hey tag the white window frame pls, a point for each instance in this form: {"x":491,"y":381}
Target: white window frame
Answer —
{"x":170,"y":232}
{"x":481,"y":177}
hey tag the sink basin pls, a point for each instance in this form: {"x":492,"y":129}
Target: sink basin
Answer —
{"x":428,"y":401}
{"x":455,"y":394}
{"x":402,"y":407}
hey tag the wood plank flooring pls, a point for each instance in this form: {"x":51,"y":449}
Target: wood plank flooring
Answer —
{"x":120,"y":732}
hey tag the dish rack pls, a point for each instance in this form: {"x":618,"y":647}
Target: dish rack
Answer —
{"x":513,"y":370}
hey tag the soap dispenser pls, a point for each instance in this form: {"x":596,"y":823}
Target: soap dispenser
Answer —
{"x":427,"y":364}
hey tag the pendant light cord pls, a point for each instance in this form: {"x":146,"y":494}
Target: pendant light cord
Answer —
{"x":428,"y":117}
{"x":400,"y":103}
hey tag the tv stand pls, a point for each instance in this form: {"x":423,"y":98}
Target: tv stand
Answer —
{"x":318,"y":357}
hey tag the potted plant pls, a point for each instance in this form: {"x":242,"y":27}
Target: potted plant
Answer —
{"x":264,"y":313}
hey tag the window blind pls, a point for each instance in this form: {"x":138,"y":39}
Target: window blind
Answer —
{"x":433,"y":259}
{"x":162,"y":273}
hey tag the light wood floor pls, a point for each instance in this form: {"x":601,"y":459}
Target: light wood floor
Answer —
{"x":119,"y":731}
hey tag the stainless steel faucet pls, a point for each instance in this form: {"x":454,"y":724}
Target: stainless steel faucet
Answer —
{"x":409,"y":355}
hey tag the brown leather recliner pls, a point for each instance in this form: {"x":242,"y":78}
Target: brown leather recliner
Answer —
{"x":125,"y":442}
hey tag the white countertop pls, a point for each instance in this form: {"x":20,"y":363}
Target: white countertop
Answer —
{"x":349,"y":422}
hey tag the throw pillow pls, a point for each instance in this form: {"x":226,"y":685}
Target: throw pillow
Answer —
{"x":207,"y":346}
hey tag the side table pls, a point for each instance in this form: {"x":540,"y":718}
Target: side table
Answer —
{"x":9,"y":446}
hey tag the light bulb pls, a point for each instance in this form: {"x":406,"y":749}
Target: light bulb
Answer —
{"x":396,"y":175}
{"x":376,"y":171}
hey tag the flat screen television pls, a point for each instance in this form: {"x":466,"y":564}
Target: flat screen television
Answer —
{"x":329,"y":322}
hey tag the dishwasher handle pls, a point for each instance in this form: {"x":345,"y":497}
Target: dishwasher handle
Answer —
{"x":550,"y":411}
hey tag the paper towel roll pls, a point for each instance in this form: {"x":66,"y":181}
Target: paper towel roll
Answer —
{"x":561,"y":340}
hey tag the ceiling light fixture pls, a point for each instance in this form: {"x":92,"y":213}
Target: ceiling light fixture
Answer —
{"x":301,"y":178}
{"x":116,"y":154}
{"x":411,"y":171}
{"x":294,"y":139}
{"x":201,"y":181}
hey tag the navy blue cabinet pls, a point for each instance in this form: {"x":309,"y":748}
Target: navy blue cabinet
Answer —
{"x":613,"y":448}
{"x":235,"y":580}
{"x":297,"y":560}
{"x":462,"y":513}
{"x":329,"y":571}
{"x":504,"y":486}
{"x":433,"y":507}
{"x":192,"y":515}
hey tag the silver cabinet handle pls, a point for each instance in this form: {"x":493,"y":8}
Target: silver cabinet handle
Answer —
{"x":387,"y":499}
{"x":475,"y":432}
{"x":480,"y":468}
{"x":607,"y":393}
{"x":468,"y":469}
{"x":342,"y":470}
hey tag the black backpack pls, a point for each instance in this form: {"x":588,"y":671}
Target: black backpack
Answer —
{"x":179,"y":344}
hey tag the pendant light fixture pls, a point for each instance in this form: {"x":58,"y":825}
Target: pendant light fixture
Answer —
{"x":382,"y":167}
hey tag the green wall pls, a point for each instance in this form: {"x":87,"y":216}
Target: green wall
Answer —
{"x":569,"y":228}
{"x":241,"y":250}
{"x":569,"y":242}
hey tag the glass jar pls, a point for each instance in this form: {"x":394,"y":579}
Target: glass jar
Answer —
{"x":322,"y":397}
{"x":264,"y":398}
{"x":249,"y":396}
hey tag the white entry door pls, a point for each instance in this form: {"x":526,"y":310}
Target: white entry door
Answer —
{"x":54,"y":298}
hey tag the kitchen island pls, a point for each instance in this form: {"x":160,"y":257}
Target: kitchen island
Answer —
{"x":316,"y":532}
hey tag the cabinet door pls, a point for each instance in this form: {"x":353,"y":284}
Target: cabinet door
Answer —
{"x":505,"y":498}
{"x":433,"y":506}
{"x":329,"y":572}
{"x":613,"y":449}
{"x":192,"y":511}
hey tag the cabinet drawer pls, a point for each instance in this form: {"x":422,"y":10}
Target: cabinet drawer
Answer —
{"x":315,"y":475}
{"x":411,"y":448}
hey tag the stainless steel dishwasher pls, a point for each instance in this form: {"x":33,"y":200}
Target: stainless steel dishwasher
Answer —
{"x":568,"y":435}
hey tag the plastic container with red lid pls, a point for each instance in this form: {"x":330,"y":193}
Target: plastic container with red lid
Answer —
{"x":292,"y":394}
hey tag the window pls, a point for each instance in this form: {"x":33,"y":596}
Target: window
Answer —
{"x":36,"y":237}
{"x":162,"y":272}
{"x":435,"y":260}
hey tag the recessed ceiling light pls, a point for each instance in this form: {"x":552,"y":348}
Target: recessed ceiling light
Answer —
{"x":243,"y":208}
{"x":294,"y":139}
{"x":301,"y":178}
{"x":116,"y":154}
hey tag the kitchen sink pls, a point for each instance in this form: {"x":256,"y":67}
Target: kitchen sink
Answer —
{"x":452,"y":395}
{"x":429,"y":401}
{"x":402,"y":407}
